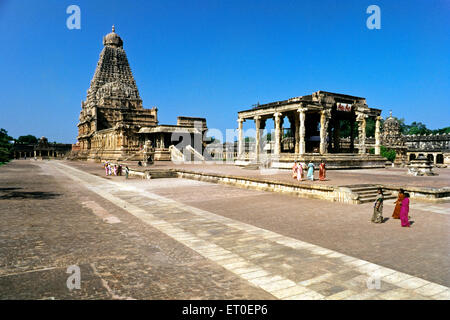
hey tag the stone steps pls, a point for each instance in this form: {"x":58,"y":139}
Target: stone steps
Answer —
{"x":368,"y":193}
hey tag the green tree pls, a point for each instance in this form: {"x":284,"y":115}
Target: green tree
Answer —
{"x":28,"y":139}
{"x":5,"y":146}
{"x":418,"y":128}
{"x":387,"y":153}
{"x":442,"y":131}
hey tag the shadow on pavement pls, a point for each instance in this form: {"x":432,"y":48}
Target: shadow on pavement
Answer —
{"x":29,"y":195}
{"x":9,"y":189}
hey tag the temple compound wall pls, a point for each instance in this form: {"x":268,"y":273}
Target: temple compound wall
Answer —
{"x":436,"y":147}
{"x":315,"y":123}
{"x":113,"y":123}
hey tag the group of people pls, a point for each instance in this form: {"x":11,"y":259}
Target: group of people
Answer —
{"x":299,"y":167}
{"x":115,"y":169}
{"x":401,"y":210}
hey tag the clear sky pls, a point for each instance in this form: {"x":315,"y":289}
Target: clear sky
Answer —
{"x":214,"y":58}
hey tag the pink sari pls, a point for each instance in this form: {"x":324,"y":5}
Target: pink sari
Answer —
{"x":404,"y":211}
{"x":299,"y":172}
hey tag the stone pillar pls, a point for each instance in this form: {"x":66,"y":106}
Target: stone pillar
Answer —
{"x":277,"y":121}
{"x":361,"y":118}
{"x":297,"y":133}
{"x":240,"y":137}
{"x":352,"y":138}
{"x":324,"y":118}
{"x":257,"y":136}
{"x":302,"y":145}
{"x":377,"y":135}
{"x":161,"y":143}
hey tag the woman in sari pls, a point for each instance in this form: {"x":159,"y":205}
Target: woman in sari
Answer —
{"x":294,"y":171}
{"x":377,"y":216}
{"x":299,"y":172}
{"x":311,"y":171}
{"x":404,"y":211}
{"x":398,"y":204}
{"x":322,"y":171}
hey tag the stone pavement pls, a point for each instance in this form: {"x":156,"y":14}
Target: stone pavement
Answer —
{"x":282,"y":266}
{"x":422,"y":250}
{"x":49,"y":222}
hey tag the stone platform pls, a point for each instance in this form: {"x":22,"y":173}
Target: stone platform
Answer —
{"x":340,"y":186}
{"x":339,"y":161}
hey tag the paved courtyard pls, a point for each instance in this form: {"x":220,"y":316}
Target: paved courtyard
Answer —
{"x":183,"y":239}
{"x":388,"y":176}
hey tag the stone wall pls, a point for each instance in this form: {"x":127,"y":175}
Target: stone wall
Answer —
{"x":431,"y":142}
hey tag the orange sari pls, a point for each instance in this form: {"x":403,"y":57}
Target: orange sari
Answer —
{"x":398,"y":206}
{"x":322,"y":171}
{"x":294,"y":171}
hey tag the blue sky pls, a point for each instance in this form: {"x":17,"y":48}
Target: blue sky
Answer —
{"x":214,"y":58}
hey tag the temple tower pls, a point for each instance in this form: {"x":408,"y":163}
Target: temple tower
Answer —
{"x":113,"y":113}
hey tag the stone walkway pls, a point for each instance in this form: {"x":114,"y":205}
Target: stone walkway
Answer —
{"x":49,"y":222}
{"x":284,"y":267}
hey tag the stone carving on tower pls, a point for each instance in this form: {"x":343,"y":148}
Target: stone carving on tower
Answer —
{"x":392,"y":138}
{"x":112,"y":114}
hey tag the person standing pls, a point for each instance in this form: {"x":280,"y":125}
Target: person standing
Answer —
{"x":322,"y":171}
{"x":294,"y":171}
{"x":299,"y":172}
{"x":404,"y":211}
{"x":377,"y":216}
{"x":126,"y":172}
{"x":311,"y":171}
{"x":398,"y":204}
{"x":303,"y":169}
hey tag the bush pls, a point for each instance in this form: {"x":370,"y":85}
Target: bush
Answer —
{"x":388,"y":153}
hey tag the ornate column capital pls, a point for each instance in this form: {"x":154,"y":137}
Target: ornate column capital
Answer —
{"x":257,"y":118}
{"x":240,"y":120}
{"x":302,"y":110}
{"x":277,"y":114}
{"x":360,"y":116}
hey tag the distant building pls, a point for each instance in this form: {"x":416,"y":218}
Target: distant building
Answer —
{"x":113,"y":123}
{"x":41,"y":150}
{"x":436,"y":147}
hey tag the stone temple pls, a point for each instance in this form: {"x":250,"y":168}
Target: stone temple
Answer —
{"x":113,"y":124}
{"x":314,"y":123}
